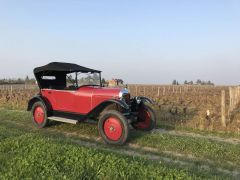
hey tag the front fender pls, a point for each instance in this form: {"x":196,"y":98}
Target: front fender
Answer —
{"x":117,"y":101}
{"x":137,"y":101}
{"x":143,"y":99}
{"x":98,"y":109}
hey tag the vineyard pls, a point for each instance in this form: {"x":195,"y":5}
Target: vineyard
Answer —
{"x":197,"y":107}
{"x":190,"y":141}
{"x":16,"y":97}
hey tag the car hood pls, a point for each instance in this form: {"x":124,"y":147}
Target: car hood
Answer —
{"x":107,"y":92}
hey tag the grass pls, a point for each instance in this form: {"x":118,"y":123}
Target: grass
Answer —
{"x":32,"y":155}
{"x":223,"y":134}
{"x":198,"y":147}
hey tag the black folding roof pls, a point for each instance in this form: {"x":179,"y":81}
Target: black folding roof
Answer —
{"x":63,"y":68}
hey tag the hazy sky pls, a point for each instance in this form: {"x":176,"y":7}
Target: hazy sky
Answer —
{"x":139,"y":41}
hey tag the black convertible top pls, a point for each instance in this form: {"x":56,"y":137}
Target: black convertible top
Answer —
{"x":63,"y":67}
{"x":58,"y":70}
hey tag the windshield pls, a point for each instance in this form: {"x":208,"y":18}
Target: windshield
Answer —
{"x":83,"y":79}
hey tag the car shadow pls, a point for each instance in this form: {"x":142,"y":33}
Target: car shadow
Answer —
{"x":54,"y":123}
{"x":137,"y":134}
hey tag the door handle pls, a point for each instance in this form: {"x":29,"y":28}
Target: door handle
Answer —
{"x":49,"y":92}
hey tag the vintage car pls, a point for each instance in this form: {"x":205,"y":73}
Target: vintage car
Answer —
{"x":71,"y":93}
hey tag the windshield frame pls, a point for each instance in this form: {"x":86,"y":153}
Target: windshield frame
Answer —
{"x":76,"y":80}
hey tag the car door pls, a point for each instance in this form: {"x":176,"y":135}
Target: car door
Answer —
{"x":83,"y":100}
{"x":61,"y":100}
{"x":77,"y":101}
{"x":64,"y":100}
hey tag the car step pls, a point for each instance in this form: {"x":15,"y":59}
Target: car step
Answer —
{"x":60,"y":119}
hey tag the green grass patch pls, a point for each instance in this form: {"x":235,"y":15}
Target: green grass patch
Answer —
{"x":35,"y":156}
{"x":223,"y":134}
{"x":198,"y":147}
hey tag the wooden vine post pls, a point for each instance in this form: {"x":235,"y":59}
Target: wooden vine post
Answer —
{"x":223,"y":102}
{"x":136,"y":91}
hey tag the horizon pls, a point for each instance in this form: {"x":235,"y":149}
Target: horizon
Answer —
{"x":141,"y":42}
{"x":179,"y":83}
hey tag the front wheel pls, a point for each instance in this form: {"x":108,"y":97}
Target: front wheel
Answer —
{"x":146,"y":118}
{"x":113,"y":127}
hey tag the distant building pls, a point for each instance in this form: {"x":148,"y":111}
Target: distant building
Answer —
{"x":115,"y":82}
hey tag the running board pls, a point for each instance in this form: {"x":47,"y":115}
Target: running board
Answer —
{"x":60,"y":119}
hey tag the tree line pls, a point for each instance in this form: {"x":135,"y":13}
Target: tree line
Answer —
{"x":198,"y":82}
{"x":25,"y":80}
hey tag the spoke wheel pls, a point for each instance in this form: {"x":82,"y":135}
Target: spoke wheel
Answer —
{"x":39,"y":114}
{"x":113,"y":127}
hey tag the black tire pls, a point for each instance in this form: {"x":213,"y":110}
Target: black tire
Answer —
{"x":40,"y":119}
{"x":118,"y":123}
{"x":141,"y":124}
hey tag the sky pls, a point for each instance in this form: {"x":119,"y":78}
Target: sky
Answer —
{"x":148,"y":41}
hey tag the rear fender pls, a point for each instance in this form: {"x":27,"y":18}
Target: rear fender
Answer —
{"x":41,"y":99}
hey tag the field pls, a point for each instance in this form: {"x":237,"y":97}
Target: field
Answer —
{"x":176,"y":106}
{"x":185,"y":145}
{"x":187,"y":106}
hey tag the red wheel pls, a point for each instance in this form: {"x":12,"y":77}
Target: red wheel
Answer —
{"x":113,"y":127}
{"x":146,"y":118}
{"x":39,"y":114}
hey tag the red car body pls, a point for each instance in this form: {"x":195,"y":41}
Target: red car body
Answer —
{"x":112,"y":108}
{"x":80,"y":101}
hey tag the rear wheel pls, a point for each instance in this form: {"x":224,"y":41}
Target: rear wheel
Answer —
{"x":39,"y":115}
{"x":146,"y":119}
{"x":113,"y":127}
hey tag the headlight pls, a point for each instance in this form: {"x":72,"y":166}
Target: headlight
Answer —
{"x":124,"y":95}
{"x":123,"y":92}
